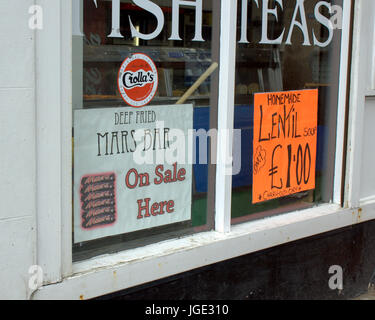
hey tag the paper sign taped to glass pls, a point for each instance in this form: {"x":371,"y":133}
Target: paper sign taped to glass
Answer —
{"x":285,"y":141}
{"x":132,"y":169}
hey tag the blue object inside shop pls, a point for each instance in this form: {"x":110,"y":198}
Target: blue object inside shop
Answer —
{"x":243,"y":119}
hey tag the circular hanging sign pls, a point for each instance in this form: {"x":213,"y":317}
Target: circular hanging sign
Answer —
{"x":137,"y":80}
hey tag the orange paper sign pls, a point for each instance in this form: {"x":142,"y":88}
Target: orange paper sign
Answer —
{"x":284,"y":147}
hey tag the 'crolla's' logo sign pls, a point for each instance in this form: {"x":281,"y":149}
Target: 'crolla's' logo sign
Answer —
{"x":137,"y":80}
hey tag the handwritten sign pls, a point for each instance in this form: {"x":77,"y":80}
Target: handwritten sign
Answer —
{"x":285,"y":138}
{"x":132,"y":169}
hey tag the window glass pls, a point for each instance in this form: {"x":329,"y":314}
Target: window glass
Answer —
{"x":119,"y":47}
{"x":284,"y":47}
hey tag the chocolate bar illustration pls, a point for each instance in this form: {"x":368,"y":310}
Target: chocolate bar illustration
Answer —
{"x":98,"y":200}
{"x":98,"y":178}
{"x":97,"y":195}
{"x":97,"y":211}
{"x":96,"y":187}
{"x":98,"y":220}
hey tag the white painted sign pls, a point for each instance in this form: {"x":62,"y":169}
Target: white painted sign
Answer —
{"x":132,"y":169}
{"x":269,"y":10}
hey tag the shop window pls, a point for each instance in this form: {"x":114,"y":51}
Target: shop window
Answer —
{"x":119,"y":201}
{"x":285,"y":47}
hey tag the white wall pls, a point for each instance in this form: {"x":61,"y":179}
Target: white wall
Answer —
{"x":17,"y":145}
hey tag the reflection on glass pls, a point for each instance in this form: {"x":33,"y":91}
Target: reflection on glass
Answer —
{"x":283,"y":46}
{"x":180,"y":59}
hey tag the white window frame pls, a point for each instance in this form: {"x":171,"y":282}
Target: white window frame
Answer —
{"x":112,"y":272}
{"x":362,"y":87}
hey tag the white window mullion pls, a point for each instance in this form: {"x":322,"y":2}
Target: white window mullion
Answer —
{"x":342,"y":102}
{"x":223,"y":194}
{"x":359,"y":70}
{"x":66,"y":137}
{"x":48,"y":135}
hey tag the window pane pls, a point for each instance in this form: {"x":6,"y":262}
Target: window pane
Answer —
{"x":180,"y":48}
{"x":284,"y":47}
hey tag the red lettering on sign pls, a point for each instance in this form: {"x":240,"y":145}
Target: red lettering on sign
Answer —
{"x":157,"y":208}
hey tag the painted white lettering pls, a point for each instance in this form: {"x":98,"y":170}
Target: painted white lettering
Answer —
{"x":198,"y":18}
{"x":301,"y":25}
{"x":244,"y":20}
{"x":156,"y":11}
{"x":269,"y":15}
{"x":115,"y":20}
{"x":325,"y":22}
{"x":265,"y":12}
